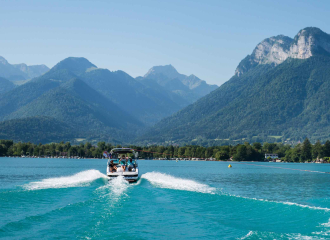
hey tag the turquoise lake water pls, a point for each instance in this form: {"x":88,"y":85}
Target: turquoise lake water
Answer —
{"x":72,"y":199}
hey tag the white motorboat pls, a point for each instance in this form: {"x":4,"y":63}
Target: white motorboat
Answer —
{"x":123,"y":162}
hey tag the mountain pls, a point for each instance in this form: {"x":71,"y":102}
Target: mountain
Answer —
{"x":272,"y":97}
{"x":82,"y":108}
{"x":275,"y":50}
{"x":16,"y":72}
{"x":147,"y":103}
{"x":31,"y":71}
{"x":190,"y":87}
{"x":75,"y":65}
{"x":5,"y":85}
{"x":61,"y":95}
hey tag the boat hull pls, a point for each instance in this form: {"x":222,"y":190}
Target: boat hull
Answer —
{"x":132,"y":176}
{"x":130,"y":179}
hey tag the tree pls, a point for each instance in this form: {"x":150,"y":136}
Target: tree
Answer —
{"x":3,"y":150}
{"x":181,"y":151}
{"x":326,"y":149}
{"x":187,"y":153}
{"x":241,"y":153}
{"x":222,"y":155}
{"x":317,"y":150}
{"x":88,"y":145}
{"x":306,"y":150}
{"x":101,"y":145}
{"x":296,"y":153}
{"x":257,"y":146}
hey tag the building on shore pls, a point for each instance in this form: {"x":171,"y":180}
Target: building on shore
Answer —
{"x":271,"y":155}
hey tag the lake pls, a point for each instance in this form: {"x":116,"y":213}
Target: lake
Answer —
{"x":72,"y":199}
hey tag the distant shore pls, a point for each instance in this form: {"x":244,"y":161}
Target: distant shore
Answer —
{"x":199,"y":160}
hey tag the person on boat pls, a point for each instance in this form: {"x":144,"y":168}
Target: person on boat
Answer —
{"x":112,"y":167}
{"x":131,"y":165}
{"x":123,"y":163}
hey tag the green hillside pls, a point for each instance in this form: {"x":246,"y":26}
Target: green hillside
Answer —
{"x":60,"y":95}
{"x":83,"y":109}
{"x":5,"y":85}
{"x":149,"y":103}
{"x":36,"y":130}
{"x":287,"y":101}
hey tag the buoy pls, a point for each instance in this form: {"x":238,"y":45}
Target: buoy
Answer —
{"x":229,"y":166}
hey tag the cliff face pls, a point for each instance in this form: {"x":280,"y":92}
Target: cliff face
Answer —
{"x":308,"y":42}
{"x":275,"y":50}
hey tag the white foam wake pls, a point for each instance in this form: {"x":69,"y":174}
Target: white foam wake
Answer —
{"x":273,"y":235}
{"x":114,"y":191}
{"x":117,"y":186}
{"x":305,"y":206}
{"x":80,"y":179}
{"x":285,"y":203}
{"x":163,"y":180}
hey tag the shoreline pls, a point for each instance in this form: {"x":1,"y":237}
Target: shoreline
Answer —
{"x":164,"y":160}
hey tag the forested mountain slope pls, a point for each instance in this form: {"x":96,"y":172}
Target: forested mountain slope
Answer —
{"x":284,"y":101}
{"x":5,"y":85}
{"x":148,"y":103}
{"x":36,"y":130}
{"x":60,"y":95}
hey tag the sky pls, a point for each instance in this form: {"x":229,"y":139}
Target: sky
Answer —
{"x":205,"y":38}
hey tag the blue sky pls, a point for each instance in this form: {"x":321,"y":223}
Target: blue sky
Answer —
{"x":205,"y":38}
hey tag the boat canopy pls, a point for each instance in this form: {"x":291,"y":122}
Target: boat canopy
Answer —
{"x":122,"y":150}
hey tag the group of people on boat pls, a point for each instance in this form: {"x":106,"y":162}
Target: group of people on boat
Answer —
{"x":124,"y":162}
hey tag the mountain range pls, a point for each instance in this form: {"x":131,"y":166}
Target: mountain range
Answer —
{"x":280,"y":92}
{"x":18,"y":72}
{"x":88,"y":102}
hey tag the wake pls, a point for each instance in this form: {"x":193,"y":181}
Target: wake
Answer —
{"x":163,"y":180}
{"x":284,"y":203}
{"x":117,"y":187}
{"x":80,"y":179}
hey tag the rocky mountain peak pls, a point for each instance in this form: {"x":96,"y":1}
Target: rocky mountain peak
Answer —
{"x":308,"y":42}
{"x":192,"y":81}
{"x":275,"y":50}
{"x":272,"y":50}
{"x":3,"y":61}
{"x":167,"y":70}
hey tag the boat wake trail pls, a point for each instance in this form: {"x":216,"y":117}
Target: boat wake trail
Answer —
{"x":163,"y":180}
{"x":114,"y":190}
{"x":80,"y":179}
{"x":284,"y":203}
{"x":117,"y":186}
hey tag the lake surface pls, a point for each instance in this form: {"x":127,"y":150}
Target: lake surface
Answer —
{"x":72,"y":199}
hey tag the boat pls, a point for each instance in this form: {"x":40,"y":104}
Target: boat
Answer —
{"x":119,"y":155}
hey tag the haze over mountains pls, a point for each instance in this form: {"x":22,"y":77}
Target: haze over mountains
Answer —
{"x":18,"y":72}
{"x":190,"y":87}
{"x":88,"y":102}
{"x":278,"y":93}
